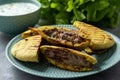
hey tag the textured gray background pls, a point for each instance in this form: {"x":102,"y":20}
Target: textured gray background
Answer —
{"x":9,"y":72}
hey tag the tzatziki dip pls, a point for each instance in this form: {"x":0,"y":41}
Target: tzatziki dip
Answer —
{"x":11,"y":9}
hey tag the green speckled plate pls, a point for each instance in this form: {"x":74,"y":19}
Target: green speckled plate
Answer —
{"x":45,"y":69}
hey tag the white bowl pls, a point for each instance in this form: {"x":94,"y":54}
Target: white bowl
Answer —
{"x":17,"y":23}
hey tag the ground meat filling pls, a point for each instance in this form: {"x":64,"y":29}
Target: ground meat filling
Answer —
{"x":65,"y":57}
{"x":62,"y":34}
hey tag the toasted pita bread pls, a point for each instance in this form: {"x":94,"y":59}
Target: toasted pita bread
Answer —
{"x":100,"y":40}
{"x":29,"y":32}
{"x":69,"y":59}
{"x":62,"y":37}
{"x":27,"y":49}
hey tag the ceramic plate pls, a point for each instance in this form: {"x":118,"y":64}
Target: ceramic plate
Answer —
{"x":45,"y":69}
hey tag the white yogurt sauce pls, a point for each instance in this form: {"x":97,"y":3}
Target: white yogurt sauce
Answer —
{"x":17,"y":9}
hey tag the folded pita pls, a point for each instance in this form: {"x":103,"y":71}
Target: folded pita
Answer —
{"x":67,"y":58}
{"x":99,"y":39}
{"x":27,"y":49}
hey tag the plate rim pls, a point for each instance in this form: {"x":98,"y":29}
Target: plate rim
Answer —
{"x":30,"y":72}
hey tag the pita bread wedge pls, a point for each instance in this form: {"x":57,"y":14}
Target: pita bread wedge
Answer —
{"x":68,"y":59}
{"x":100,"y":40}
{"x":30,"y":32}
{"x":27,"y":49}
{"x":62,"y":37}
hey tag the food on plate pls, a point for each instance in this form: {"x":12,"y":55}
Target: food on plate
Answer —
{"x":63,"y":47}
{"x":99,"y":39}
{"x":67,"y":58}
{"x":62,"y":37}
{"x":28,"y":33}
{"x":27,"y":49}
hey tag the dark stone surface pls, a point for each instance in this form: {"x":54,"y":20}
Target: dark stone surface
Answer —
{"x":9,"y":72}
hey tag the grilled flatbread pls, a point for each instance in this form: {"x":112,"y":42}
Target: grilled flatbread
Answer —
{"x":62,"y":37}
{"x":100,"y":40}
{"x":69,"y":59}
{"x":30,"y":32}
{"x":27,"y":49}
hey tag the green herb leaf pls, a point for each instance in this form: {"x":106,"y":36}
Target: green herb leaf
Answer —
{"x":67,"y":11}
